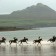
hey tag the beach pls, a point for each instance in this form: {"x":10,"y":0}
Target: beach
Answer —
{"x":46,"y":49}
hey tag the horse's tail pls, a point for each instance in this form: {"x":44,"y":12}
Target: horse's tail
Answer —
{"x":48,"y":40}
{"x":33,"y":41}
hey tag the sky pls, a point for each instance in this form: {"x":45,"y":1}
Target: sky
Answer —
{"x":8,"y":6}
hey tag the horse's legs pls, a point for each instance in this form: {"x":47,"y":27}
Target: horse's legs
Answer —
{"x":21,"y":42}
{"x":40,"y":44}
{"x":37,"y":44}
{"x":26,"y":42}
{"x":5,"y":42}
{"x":16,"y":43}
{"x":10,"y":43}
{"x":34,"y":42}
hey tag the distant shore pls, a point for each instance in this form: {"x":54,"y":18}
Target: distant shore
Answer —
{"x":12,"y":28}
{"x":20,"y":28}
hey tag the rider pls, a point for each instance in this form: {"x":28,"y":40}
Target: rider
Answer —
{"x":54,"y":37}
{"x":24,"y":37}
{"x":39,"y":38}
{"x":14,"y":38}
{"x":3,"y":38}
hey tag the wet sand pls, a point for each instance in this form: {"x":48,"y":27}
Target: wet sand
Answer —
{"x":28,"y":50}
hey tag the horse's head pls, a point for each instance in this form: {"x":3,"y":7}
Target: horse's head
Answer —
{"x":27,"y":39}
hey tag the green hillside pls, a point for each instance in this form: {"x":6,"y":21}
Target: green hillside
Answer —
{"x":35,"y":16}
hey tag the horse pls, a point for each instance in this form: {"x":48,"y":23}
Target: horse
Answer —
{"x":13,"y":41}
{"x":52,"y":40}
{"x":3,"y":40}
{"x":23,"y":40}
{"x":37,"y":41}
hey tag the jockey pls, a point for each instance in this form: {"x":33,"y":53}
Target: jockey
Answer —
{"x":3,"y":38}
{"x":24,"y":37}
{"x":14,"y":38}
{"x":39,"y":38}
{"x":54,"y":37}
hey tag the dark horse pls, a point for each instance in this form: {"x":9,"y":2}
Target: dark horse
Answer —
{"x":13,"y":41}
{"x":52,"y":39}
{"x":3,"y":40}
{"x":37,"y":41}
{"x":24,"y":40}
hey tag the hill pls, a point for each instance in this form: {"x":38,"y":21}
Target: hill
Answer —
{"x":39,"y":15}
{"x":38,"y":11}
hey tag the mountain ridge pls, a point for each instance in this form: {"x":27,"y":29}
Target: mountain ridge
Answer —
{"x":39,"y":15}
{"x":36,"y":11}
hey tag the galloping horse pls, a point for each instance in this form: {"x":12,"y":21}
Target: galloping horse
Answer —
{"x":13,"y":41}
{"x":52,"y":39}
{"x":24,"y":40}
{"x":37,"y":41}
{"x":3,"y":40}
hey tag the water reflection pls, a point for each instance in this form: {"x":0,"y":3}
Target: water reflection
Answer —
{"x":2,"y":51}
{"x":24,"y":50}
{"x":53,"y":50}
{"x":37,"y":50}
{"x":13,"y":49}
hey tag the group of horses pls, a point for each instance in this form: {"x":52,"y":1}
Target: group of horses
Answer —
{"x":15,"y":40}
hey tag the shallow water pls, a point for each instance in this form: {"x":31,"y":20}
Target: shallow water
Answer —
{"x":28,"y":50}
{"x":46,"y":49}
{"x":44,"y":33}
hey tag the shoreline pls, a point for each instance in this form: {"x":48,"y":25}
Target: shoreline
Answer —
{"x":29,"y":43}
{"x":17,"y":29}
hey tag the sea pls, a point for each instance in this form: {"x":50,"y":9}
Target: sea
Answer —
{"x":46,"y":48}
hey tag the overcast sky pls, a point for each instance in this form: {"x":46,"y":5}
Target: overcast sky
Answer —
{"x":8,"y":6}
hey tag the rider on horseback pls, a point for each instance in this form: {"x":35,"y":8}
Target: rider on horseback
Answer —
{"x":3,"y":38}
{"x":24,"y":37}
{"x":39,"y":38}
{"x":54,"y":38}
{"x":14,"y":38}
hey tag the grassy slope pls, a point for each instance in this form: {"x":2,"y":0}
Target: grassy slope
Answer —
{"x":21,"y":22}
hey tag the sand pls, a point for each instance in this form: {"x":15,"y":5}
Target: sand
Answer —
{"x":46,"y":49}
